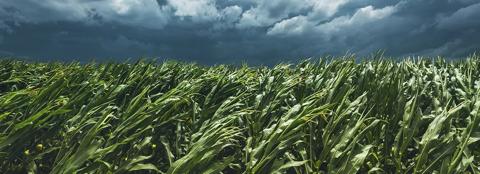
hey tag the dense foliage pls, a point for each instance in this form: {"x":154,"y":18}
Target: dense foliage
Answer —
{"x":337,"y":116}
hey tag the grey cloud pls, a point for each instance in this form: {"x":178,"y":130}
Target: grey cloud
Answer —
{"x":143,"y":13}
{"x":323,"y":9}
{"x":228,"y":17}
{"x":266,"y":12}
{"x":356,"y":22}
{"x":467,"y":17}
{"x":232,"y":31}
{"x":123,"y":45}
{"x":350,"y":32}
{"x":199,"y":10}
{"x":443,"y":48}
{"x":292,"y":26}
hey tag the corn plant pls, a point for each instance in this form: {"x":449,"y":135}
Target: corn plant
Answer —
{"x":331,"y":115}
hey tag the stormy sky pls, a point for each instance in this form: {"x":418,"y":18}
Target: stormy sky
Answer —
{"x":235,"y":31}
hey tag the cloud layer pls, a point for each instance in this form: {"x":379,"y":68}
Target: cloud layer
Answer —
{"x":230,"y":31}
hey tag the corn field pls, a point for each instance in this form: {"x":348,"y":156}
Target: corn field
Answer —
{"x":325,"y":116}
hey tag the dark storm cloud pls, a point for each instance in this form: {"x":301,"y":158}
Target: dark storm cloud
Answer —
{"x":231,"y":31}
